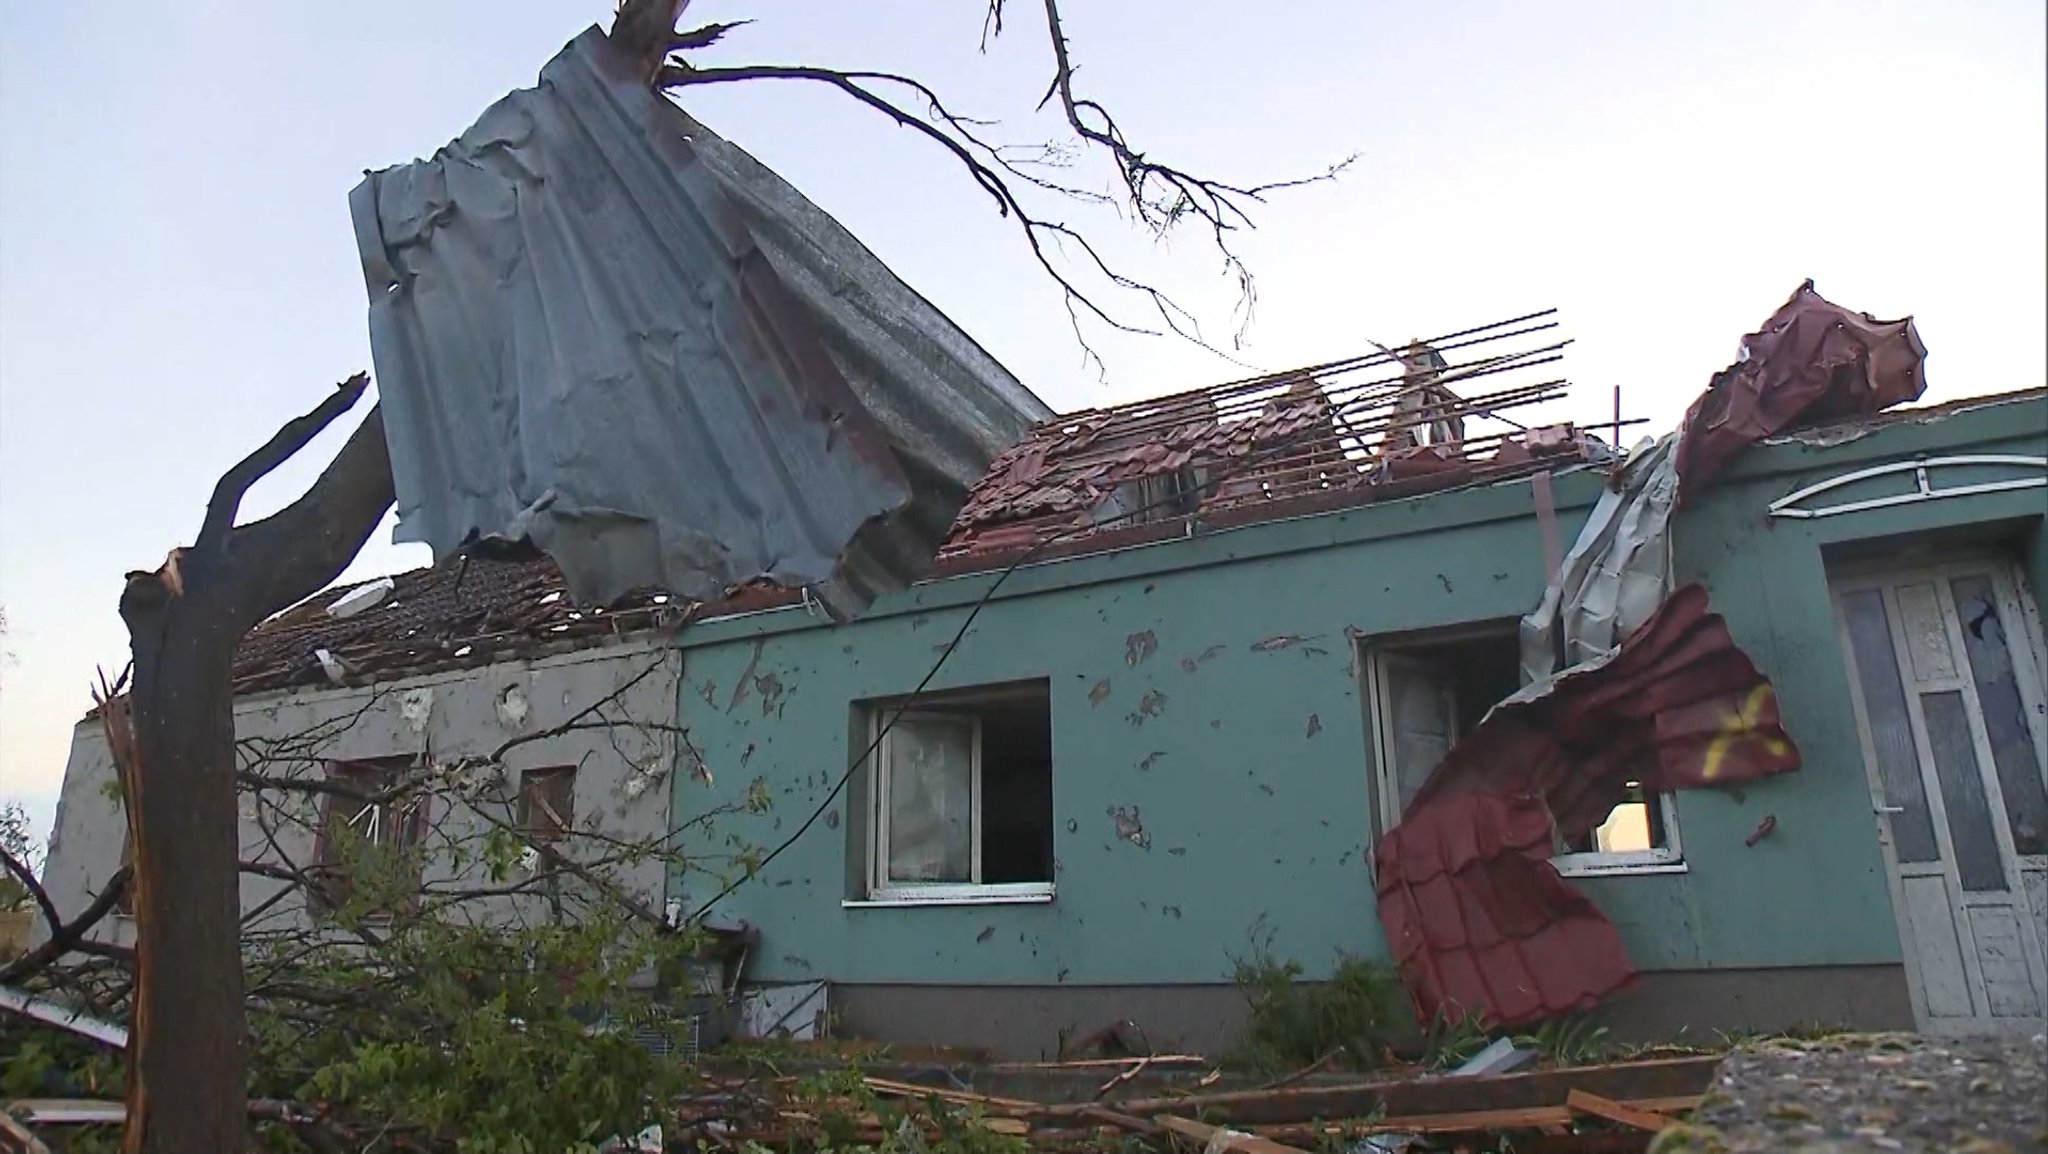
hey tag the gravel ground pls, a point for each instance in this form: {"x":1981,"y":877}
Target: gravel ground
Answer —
{"x":1857,"y":1093}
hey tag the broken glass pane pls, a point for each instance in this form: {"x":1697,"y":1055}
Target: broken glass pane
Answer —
{"x":931,"y":801}
{"x":2005,"y":715}
{"x":1978,"y":863}
{"x":1891,"y":729}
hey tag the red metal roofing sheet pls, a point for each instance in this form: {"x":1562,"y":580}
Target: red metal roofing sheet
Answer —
{"x":1480,"y":923}
{"x":1813,"y":361}
{"x":1678,"y":706}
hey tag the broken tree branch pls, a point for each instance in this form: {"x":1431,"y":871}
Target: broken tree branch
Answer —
{"x":295,"y":435}
{"x":1160,"y":196}
{"x":301,"y":549}
{"x":69,"y":937}
{"x":28,"y":880}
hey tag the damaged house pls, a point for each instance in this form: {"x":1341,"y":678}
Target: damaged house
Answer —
{"x":1747,"y":734}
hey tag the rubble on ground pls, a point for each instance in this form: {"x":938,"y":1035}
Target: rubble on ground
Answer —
{"x":1890,"y":1093}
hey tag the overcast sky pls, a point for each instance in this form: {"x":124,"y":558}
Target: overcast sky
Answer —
{"x":178,"y":273}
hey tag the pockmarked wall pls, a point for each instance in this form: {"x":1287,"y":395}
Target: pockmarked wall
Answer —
{"x":1212,"y":760}
{"x":1813,"y":890}
{"x":622,"y":755}
{"x":1210,"y":755}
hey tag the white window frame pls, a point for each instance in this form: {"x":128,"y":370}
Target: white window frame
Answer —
{"x":1380,"y":658}
{"x":1668,"y":858}
{"x":881,"y":889}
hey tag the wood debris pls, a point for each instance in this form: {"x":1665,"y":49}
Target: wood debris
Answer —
{"x":1610,"y":1109}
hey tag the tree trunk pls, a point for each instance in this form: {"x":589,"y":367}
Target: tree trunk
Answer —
{"x":187,"y":1065}
{"x":187,"y":1076}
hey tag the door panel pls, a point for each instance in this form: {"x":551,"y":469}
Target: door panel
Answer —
{"x":2037,"y":900}
{"x":2009,"y":988}
{"x":2005,"y":714}
{"x":1932,"y":919}
{"x":1979,"y":864}
{"x":1903,"y":795}
{"x":1950,"y":707}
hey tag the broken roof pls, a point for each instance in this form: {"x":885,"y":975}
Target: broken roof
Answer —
{"x":478,"y":611}
{"x":1258,"y":450}
{"x":1305,"y":440}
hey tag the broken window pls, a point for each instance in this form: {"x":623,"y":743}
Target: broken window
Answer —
{"x":959,"y":796}
{"x":547,"y":802}
{"x":367,"y":833}
{"x":1165,"y":497}
{"x":1428,"y":693}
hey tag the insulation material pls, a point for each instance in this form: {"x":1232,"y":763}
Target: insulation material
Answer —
{"x":1617,"y":573}
{"x":797,"y":1011}
{"x":598,"y":327}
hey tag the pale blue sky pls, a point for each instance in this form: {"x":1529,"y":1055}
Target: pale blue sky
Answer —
{"x":178,"y":273}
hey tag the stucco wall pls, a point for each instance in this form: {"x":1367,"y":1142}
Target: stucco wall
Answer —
{"x":1250,"y":773}
{"x":455,"y":715}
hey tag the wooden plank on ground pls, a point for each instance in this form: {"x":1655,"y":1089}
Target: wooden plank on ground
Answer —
{"x":1582,"y":1102}
{"x":1215,"y":1140}
{"x":893,"y":1089}
{"x":16,"y":1137}
{"x":1472,"y":1121}
{"x":1602,"y":1142}
{"x":1106,"y":1063}
{"x":1627,"y":1081}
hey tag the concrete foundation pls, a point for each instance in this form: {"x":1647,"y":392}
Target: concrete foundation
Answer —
{"x":1026,"y":1023}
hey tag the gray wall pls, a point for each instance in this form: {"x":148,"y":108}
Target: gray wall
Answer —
{"x":621,"y":784}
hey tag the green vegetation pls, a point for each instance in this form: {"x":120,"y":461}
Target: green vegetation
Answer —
{"x":1350,"y":1021}
{"x":1360,"y":1019}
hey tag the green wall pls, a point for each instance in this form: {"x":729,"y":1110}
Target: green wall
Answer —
{"x":1250,"y":778}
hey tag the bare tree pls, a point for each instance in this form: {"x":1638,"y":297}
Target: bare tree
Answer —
{"x":188,"y":1061}
{"x":396,"y":911}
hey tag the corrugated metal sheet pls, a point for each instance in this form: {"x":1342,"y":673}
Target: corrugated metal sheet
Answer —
{"x":1479,"y":917}
{"x":1478,"y":921}
{"x":1654,"y":688}
{"x":598,"y":326}
{"x":1677,"y":706}
{"x":1812,"y":362}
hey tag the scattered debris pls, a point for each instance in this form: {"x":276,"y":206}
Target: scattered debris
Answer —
{"x":63,"y":1017}
{"x":1890,"y":1092}
{"x":1602,"y":1108}
{"x":360,"y":598}
{"x":1763,"y":830}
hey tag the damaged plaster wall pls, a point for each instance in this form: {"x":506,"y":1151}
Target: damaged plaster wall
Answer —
{"x":1209,"y":748}
{"x":1768,"y":578}
{"x":621,"y":783}
{"x":1211,"y":758}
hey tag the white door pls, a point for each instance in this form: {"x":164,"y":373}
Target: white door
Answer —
{"x":1948,"y":678}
